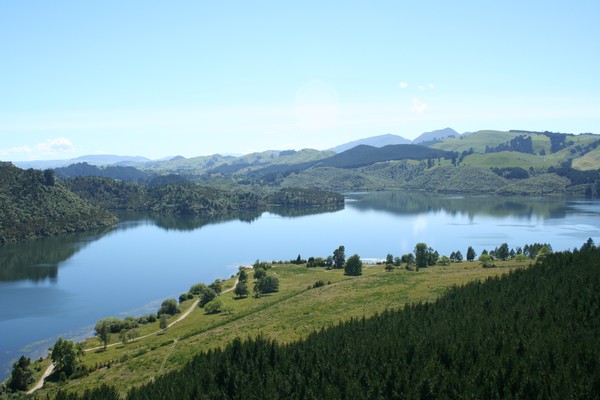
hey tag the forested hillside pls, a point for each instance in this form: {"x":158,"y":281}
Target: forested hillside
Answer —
{"x":191,"y":199}
{"x":529,"y":334}
{"x":35,"y":204}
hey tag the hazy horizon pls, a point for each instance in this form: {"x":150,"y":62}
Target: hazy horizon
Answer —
{"x":189,"y":78}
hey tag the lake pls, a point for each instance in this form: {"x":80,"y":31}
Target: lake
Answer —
{"x":60,"y":286}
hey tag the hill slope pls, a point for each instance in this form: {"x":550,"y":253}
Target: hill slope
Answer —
{"x":363,"y":155}
{"x":34,"y":205}
{"x":375,"y":141}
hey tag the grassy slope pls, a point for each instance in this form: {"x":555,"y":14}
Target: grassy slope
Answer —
{"x":588,"y":161}
{"x":288,"y":315}
{"x":479,"y":140}
{"x":506,"y":159}
{"x":476,"y":140}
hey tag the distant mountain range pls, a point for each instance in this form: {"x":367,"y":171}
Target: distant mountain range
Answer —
{"x":99,"y":159}
{"x":389,"y":139}
{"x":436,"y":135}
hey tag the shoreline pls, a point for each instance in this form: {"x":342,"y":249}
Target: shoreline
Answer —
{"x":50,"y":369}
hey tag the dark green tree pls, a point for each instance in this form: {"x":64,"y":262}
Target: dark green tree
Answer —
{"x":243,"y":275}
{"x":588,"y":245}
{"x":265,"y":285}
{"x":216,"y":286}
{"x":503,"y":252}
{"x":259,"y":273}
{"x":103,"y":332}
{"x":389,"y":259}
{"x":22,"y":375}
{"x":353,"y":266}
{"x":339,"y":257}
{"x":169,"y":307}
{"x":206,"y":296}
{"x":408,"y":259}
{"x":421,"y":255}
{"x":458,"y":255}
{"x":432,"y":257}
{"x":241,"y":289}
{"x":64,"y":357}
{"x":471,"y":254}
{"x":197,"y":288}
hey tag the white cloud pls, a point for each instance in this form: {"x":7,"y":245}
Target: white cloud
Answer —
{"x":403,"y":85}
{"x":418,"y":106}
{"x":429,"y":86}
{"x":54,"y":146}
{"x":50,"y":148}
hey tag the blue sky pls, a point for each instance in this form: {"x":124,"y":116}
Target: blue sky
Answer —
{"x":162,"y":78}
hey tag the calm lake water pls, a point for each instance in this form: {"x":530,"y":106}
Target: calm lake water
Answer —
{"x":61,"y":286}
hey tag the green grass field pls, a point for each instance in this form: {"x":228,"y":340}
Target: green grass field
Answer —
{"x":290,"y":314}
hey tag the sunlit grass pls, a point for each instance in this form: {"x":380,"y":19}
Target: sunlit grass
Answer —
{"x":290,"y":314}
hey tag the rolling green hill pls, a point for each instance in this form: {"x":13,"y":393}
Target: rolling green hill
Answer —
{"x":364,"y":155}
{"x":35,"y":204}
{"x":547,"y":149}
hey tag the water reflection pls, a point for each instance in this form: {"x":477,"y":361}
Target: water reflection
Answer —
{"x":407,"y":203}
{"x":38,"y":260}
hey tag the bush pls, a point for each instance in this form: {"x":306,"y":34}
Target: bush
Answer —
{"x":197,"y":288}
{"x":215,"y":306}
{"x":206,"y":296}
{"x":169,"y":307}
{"x":444,"y":260}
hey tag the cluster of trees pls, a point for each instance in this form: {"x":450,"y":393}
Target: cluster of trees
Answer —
{"x":241,"y":288}
{"x":521,"y":143}
{"x":264,"y":283}
{"x":66,"y":357}
{"x":506,"y":337}
{"x":34,"y":204}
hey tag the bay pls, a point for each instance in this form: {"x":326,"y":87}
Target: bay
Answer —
{"x":60,"y":286}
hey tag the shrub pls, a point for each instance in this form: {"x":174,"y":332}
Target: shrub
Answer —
{"x":215,"y":306}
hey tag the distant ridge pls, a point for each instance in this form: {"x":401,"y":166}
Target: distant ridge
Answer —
{"x":436,"y":135}
{"x":92,"y":159}
{"x":374,"y":141}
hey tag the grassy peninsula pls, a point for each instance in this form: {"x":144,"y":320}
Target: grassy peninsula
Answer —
{"x":507,"y":333}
